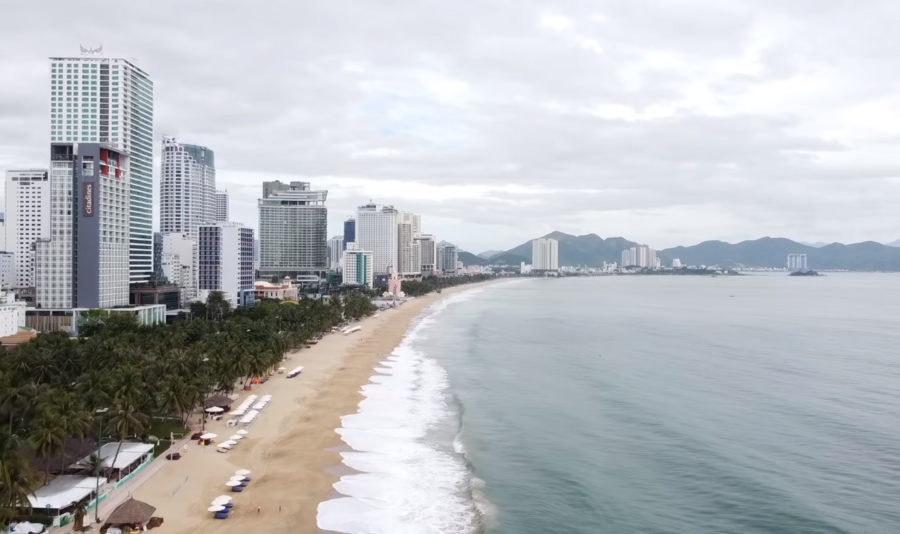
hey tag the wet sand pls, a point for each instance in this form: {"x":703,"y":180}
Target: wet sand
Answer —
{"x":291,"y":447}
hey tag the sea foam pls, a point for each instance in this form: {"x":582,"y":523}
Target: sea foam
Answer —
{"x":404,"y":484}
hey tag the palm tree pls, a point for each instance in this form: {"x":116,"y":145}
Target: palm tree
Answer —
{"x":126,"y":421}
{"x":79,"y":512}
{"x":17,"y":480}
{"x":48,"y":438}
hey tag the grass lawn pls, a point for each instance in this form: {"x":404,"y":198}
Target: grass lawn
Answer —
{"x":164,"y":429}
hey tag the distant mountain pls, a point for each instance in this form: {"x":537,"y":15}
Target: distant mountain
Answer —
{"x":772,"y":252}
{"x":894,"y":243}
{"x":508,"y":258}
{"x":469,"y":259}
{"x":589,"y":250}
{"x":488,"y":253}
{"x":817,"y":244}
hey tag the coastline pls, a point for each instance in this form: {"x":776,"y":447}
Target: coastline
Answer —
{"x":291,"y":450}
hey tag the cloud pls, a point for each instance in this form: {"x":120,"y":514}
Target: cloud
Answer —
{"x":667,"y":122}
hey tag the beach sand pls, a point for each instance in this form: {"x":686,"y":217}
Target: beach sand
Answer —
{"x":290,"y":448}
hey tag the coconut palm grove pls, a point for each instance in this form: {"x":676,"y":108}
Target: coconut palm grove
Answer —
{"x":129,"y":380}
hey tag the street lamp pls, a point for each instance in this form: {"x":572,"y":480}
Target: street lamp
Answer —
{"x":100,"y":412}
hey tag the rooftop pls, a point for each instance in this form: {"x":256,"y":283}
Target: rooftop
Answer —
{"x":63,"y":491}
{"x":127,"y":454}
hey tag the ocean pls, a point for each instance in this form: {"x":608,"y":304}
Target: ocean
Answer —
{"x":635,"y":404}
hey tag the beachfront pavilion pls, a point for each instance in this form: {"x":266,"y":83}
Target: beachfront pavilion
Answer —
{"x":131,"y":457}
{"x":220,"y":401}
{"x":60,"y":496}
{"x":132,"y":513}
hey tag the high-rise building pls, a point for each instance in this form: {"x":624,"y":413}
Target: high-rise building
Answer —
{"x":545,"y":254}
{"x":335,"y":251}
{"x":110,"y":100}
{"x":639,"y":256}
{"x":222,"y":206}
{"x":293,"y":229}
{"x":427,"y":253}
{"x":157,"y":256}
{"x":275,"y":186}
{"x":448,"y":258}
{"x":349,"y":231}
{"x":3,"y":233}
{"x":357,"y":267}
{"x":27,"y":219}
{"x":7,"y":270}
{"x":187,"y":187}
{"x":376,"y":231}
{"x":85,"y":263}
{"x":179,"y":263}
{"x":676,"y":263}
{"x":796,"y":262}
{"x":226,"y":260}
{"x":409,"y":257}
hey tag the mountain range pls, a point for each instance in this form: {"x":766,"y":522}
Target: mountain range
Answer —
{"x":592,"y":250}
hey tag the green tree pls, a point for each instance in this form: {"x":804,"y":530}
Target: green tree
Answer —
{"x":126,"y":421}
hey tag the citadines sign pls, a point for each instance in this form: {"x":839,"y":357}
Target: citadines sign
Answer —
{"x":88,"y":199}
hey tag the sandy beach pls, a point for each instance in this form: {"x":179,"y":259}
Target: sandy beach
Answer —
{"x":289,"y":448}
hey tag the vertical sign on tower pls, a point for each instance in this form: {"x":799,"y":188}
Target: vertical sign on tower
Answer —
{"x":88,"y":198}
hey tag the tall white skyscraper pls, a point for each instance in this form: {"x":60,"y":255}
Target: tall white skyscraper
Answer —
{"x":222,"y":206}
{"x":409,"y":257}
{"x":376,"y":231}
{"x":110,"y":100}
{"x":180,"y":263}
{"x":639,"y":256}
{"x":447,"y":258}
{"x":27,"y":219}
{"x":226,"y":260}
{"x":188,"y":195}
{"x":335,"y":250}
{"x":545,"y":254}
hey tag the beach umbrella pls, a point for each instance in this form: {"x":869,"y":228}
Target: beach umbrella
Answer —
{"x":216,"y":508}
{"x":242,"y":432}
{"x":220,"y":501}
{"x":215,"y":409}
{"x":233,"y":483}
{"x":208,"y":435}
{"x":242,"y":472}
{"x":238,"y":477}
{"x":236,"y":437}
{"x":223,"y":498}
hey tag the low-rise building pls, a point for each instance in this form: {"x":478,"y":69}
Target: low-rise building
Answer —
{"x":268,"y":290}
{"x":359,"y":268}
{"x":12,"y":314}
{"x":68,"y":319}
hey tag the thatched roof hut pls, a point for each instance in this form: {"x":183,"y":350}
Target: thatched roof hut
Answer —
{"x":131,"y":512}
{"x":217,"y":400}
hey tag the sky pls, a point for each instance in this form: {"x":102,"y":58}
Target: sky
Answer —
{"x":668,"y":122}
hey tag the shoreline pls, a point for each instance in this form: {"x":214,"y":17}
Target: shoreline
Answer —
{"x":292,"y":448}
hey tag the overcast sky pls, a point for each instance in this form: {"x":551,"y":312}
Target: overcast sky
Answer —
{"x":663,"y":121}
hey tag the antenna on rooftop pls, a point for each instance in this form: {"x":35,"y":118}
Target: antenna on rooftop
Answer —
{"x":91,"y":51}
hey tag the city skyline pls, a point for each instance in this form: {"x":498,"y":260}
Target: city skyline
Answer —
{"x":715,"y":142}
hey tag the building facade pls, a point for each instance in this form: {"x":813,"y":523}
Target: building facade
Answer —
{"x":221,"y":206}
{"x":7,"y":270}
{"x":448,"y":258}
{"x":640,"y":256}
{"x":545,"y":254}
{"x":86,"y":261}
{"x":349,"y":231}
{"x":335,"y":251}
{"x":187,"y":187}
{"x":797,"y":262}
{"x":409,"y":257}
{"x":226,"y":260}
{"x":293,"y":230}
{"x":178,"y":263}
{"x":358,"y":267}
{"x":427,"y":253}
{"x":376,"y":232}
{"x":12,"y":314}
{"x":27,"y":219}
{"x":96,"y":99}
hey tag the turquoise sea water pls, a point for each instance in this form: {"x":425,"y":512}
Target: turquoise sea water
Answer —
{"x":756,"y":404}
